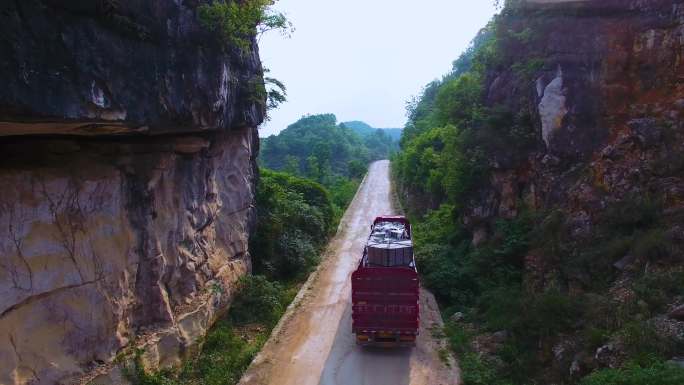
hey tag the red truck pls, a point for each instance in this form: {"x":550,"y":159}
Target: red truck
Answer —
{"x":385,"y":287}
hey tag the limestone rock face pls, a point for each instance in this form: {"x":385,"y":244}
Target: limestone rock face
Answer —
{"x":109,"y":66}
{"x":602,"y":83}
{"x":112,"y":235}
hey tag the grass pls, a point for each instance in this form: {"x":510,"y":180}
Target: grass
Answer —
{"x":657,"y":373}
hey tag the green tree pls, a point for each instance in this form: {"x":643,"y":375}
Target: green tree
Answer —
{"x":236,"y":22}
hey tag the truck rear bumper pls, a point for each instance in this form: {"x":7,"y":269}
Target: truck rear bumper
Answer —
{"x":386,"y":341}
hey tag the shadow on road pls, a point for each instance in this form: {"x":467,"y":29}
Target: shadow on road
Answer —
{"x":349,"y":364}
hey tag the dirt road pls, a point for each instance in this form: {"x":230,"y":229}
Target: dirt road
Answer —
{"x":313,"y":344}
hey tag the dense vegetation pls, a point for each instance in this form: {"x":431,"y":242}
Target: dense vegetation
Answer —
{"x":334,"y":155}
{"x":453,"y":138}
{"x":295,"y":217}
{"x":381,"y":142}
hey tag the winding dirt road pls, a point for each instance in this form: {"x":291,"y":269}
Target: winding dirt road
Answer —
{"x":313,"y":344}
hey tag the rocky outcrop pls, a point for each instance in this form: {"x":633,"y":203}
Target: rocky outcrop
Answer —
{"x":109,"y":66}
{"x":125,"y":222}
{"x":607,"y":103}
{"x":603,"y":84}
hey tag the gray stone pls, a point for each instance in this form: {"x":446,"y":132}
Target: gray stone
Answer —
{"x":677,"y":361}
{"x":677,"y":313}
{"x":500,"y":337}
{"x":456,"y":317}
{"x":552,"y":107}
{"x":624,"y":262}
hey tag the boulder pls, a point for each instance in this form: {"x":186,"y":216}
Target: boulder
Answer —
{"x":677,"y":313}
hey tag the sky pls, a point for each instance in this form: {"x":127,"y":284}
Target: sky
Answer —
{"x":363,"y":59}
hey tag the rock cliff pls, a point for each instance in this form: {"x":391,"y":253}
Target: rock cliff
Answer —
{"x":602,"y":83}
{"x":550,"y":164}
{"x":129,"y":140}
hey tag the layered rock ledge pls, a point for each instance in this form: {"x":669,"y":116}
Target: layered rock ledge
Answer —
{"x":129,"y":140}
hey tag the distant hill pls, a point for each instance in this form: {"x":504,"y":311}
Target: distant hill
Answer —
{"x":316,"y":146}
{"x":364,"y":129}
{"x":314,"y":139}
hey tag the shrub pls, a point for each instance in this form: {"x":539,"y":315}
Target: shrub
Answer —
{"x":225,"y":356}
{"x":642,"y":342}
{"x":459,"y":338}
{"x":502,"y":307}
{"x":298,"y":254}
{"x":631,"y":213}
{"x":476,"y":371}
{"x":633,"y":374}
{"x":236,"y":22}
{"x":657,"y":289}
{"x":653,"y":244}
{"x":257,"y":301}
{"x":553,"y":312}
{"x":294,"y":218}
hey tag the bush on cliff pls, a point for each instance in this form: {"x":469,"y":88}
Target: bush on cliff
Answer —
{"x":236,"y":22}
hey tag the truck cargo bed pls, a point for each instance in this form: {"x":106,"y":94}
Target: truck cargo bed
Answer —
{"x":385,"y":288}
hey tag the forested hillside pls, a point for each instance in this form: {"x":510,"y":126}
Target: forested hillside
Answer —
{"x":381,"y":142}
{"x":544,"y":177}
{"x":335,"y":155}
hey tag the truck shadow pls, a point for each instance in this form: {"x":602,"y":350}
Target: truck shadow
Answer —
{"x":349,"y":364}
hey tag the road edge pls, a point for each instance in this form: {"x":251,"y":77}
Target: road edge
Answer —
{"x":301,"y":294}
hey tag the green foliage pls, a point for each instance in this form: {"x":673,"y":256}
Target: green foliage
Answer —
{"x":267,"y":91}
{"x":528,"y":68}
{"x":458,"y":273}
{"x":236,"y":22}
{"x":322,"y":148}
{"x":334,"y":155}
{"x":458,"y":337}
{"x":476,"y":371}
{"x":357,"y":169}
{"x":632,"y":213}
{"x":458,"y":100}
{"x":380,"y":144}
{"x":342,"y":192}
{"x":642,"y":342}
{"x":294,"y":218}
{"x":652,"y":244}
{"x":658,"y":373}
{"x":318,"y":148}
{"x":364,"y":129}
{"x":225,"y":356}
{"x":455,"y":138}
{"x":257,"y":301}
{"x":656,"y":289}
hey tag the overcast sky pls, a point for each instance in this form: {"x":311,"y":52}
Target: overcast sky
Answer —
{"x":363,"y":59}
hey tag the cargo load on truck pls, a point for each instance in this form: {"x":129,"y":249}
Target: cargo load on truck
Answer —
{"x":385,"y":289}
